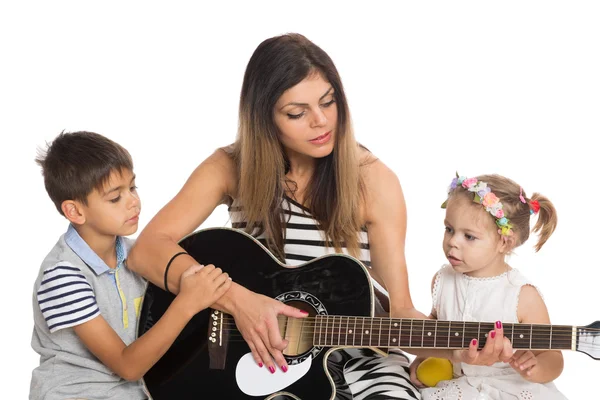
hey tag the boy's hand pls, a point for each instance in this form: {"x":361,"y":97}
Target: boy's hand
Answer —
{"x":524,"y":362}
{"x":201,"y":286}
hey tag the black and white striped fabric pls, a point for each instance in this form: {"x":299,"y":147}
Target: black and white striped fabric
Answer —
{"x":66,"y":298}
{"x":368,"y":375}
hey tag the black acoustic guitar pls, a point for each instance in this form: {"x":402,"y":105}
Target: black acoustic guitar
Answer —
{"x":210,"y":359}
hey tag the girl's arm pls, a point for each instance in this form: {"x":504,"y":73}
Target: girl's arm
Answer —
{"x":536,"y":366}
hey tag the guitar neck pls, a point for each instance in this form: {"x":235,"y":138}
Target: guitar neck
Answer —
{"x":336,"y":330}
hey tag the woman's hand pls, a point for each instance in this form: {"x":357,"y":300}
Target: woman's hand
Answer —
{"x":497,"y":349}
{"x":256,"y":318}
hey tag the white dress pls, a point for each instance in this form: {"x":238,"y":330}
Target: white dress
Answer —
{"x":458,"y":297}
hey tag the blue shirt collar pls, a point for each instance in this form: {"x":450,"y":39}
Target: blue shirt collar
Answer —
{"x":83,"y":250}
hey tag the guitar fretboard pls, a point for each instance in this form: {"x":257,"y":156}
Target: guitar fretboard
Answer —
{"x":333,"y":330}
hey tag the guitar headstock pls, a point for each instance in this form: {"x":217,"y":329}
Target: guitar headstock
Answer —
{"x":588,"y":340}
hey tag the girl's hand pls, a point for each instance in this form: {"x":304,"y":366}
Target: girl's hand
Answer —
{"x":413,"y":372}
{"x":497,"y":349}
{"x":524,"y":362}
{"x":200,"y":286}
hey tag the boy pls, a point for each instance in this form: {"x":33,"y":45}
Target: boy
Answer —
{"x":86,"y":301}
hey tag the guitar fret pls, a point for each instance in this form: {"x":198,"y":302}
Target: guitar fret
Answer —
{"x":463,"y":335}
{"x":521,"y":341}
{"x":428,"y":329}
{"x":354,"y":333}
{"x":340,"y":332}
{"x":362,"y":330}
{"x":530,"y":335}
{"x":347,"y":328}
{"x":404,"y":334}
{"x":380,"y":323}
{"x":435,"y":334}
{"x":390,"y":335}
{"x":371,"y":333}
{"x":417,"y":330}
{"x":512,"y":333}
{"x":542,"y":337}
{"x":455,"y":339}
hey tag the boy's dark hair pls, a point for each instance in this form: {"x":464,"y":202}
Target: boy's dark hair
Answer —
{"x":76,"y":163}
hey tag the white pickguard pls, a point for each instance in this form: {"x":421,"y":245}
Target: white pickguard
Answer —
{"x":255,"y":381}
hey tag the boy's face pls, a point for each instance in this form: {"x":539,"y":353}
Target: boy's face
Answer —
{"x":115,"y":210}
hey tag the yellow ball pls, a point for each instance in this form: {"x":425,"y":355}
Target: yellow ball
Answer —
{"x":432,"y":370}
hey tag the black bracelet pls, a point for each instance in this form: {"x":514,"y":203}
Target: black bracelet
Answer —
{"x":167,"y":269}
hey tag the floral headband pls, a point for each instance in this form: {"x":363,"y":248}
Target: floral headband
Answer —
{"x":485,"y":197}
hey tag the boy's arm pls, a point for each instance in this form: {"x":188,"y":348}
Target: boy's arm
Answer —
{"x":532,"y":310}
{"x":200,"y":287}
{"x":133,"y":361}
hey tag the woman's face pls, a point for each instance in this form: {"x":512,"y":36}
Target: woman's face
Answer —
{"x":306,"y":116}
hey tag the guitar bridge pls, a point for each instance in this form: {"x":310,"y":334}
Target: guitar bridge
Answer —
{"x":218,"y":336}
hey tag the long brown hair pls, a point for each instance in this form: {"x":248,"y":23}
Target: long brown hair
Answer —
{"x":335,"y":191}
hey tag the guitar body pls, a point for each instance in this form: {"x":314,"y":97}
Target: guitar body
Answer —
{"x":329,"y":285}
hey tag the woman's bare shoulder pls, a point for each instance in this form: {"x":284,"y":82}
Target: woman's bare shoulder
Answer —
{"x":374,"y":171}
{"x":219,"y":167}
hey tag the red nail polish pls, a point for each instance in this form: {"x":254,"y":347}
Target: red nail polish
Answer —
{"x":260,"y":365}
{"x":304,"y":312}
{"x":272,"y":369}
{"x":474,"y":341}
{"x":284,"y":368}
{"x":498,"y":324}
{"x":493,"y":334}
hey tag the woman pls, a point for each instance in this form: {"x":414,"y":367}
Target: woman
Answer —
{"x":295,"y":154}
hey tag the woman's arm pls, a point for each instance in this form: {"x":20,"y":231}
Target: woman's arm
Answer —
{"x":385,"y":215}
{"x":536,"y":366}
{"x":204,"y":190}
{"x":210,"y":184}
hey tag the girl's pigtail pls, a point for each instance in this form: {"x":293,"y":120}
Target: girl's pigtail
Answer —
{"x":547,"y":219}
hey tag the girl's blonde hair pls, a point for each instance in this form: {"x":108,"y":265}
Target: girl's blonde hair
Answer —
{"x":518,"y":213}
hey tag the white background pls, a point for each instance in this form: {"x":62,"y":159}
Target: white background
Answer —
{"x":434,"y":87}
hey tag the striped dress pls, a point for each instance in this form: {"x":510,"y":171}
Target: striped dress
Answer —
{"x":366,"y":374}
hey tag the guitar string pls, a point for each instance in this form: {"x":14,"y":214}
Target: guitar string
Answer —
{"x":324,"y":319}
{"x":484,"y":326}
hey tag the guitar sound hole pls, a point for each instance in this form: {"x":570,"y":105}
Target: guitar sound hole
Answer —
{"x":299,"y":332}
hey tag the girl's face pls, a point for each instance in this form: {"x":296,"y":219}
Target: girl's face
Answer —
{"x":472,"y":243}
{"x":306,"y":116}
